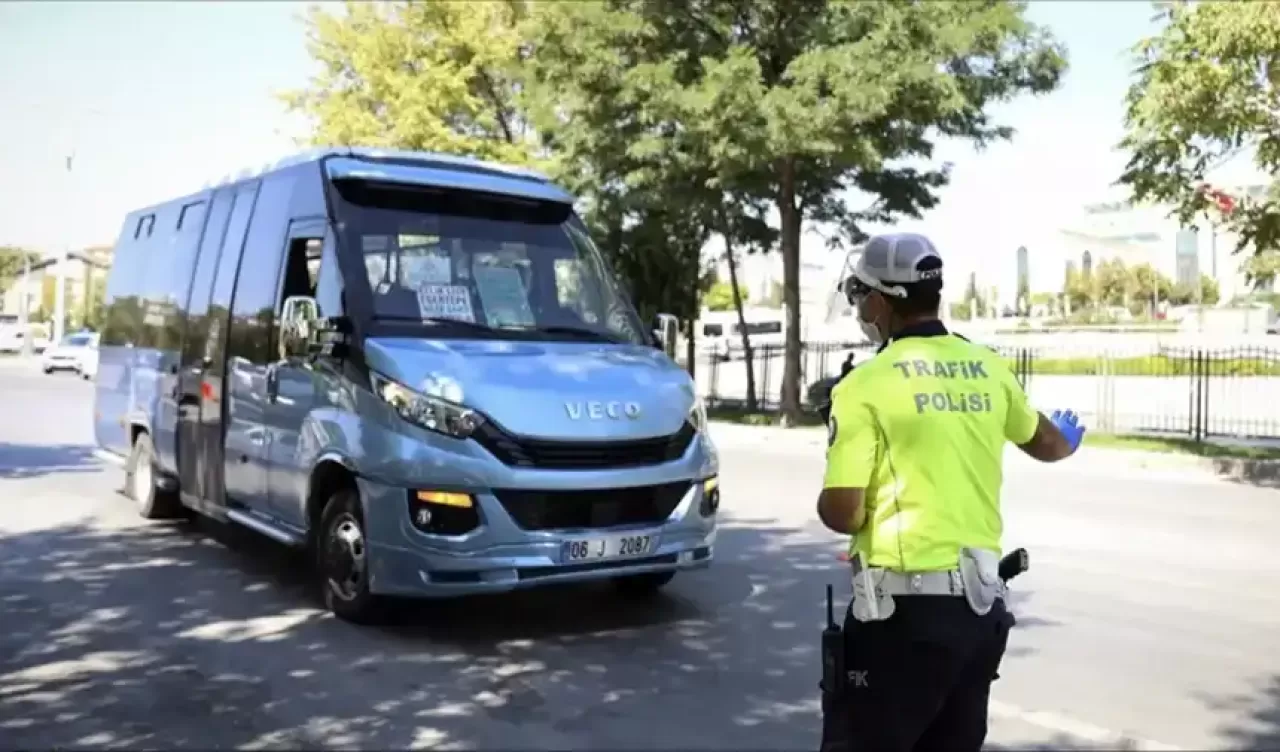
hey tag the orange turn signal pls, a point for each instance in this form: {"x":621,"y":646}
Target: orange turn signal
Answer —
{"x":445,"y":499}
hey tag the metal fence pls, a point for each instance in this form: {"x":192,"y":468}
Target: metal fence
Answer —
{"x":1198,"y":393}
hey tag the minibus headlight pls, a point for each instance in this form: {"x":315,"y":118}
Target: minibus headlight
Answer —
{"x":698,"y":415}
{"x":431,"y":413}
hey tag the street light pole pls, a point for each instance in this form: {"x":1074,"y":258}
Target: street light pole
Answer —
{"x":60,"y":293}
{"x":24,"y":323}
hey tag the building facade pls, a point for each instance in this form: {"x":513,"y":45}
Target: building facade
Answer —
{"x":82,"y":269}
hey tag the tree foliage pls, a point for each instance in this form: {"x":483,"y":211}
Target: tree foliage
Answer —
{"x":432,"y":76}
{"x":1262,"y":268}
{"x":794,"y":103}
{"x":1140,"y":289}
{"x":11,"y":264}
{"x":1207,"y":89}
{"x":720,"y":297}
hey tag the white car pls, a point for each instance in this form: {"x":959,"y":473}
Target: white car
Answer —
{"x":71,"y":354}
{"x":11,"y":338}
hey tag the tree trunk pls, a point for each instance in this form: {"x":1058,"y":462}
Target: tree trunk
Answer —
{"x":690,"y":343}
{"x":752,"y":404}
{"x":791,"y":219}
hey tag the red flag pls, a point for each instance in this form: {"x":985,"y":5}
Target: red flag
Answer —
{"x":1225,"y":202}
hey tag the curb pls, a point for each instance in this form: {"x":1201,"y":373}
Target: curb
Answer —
{"x":1240,"y":469}
{"x":1259,"y":472}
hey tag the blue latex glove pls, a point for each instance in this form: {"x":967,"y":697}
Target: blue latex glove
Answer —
{"x":1068,"y":423}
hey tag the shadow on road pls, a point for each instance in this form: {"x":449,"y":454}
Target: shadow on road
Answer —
{"x":1259,"y":714}
{"x":1264,"y":474}
{"x":33,"y":460}
{"x":192,"y":638}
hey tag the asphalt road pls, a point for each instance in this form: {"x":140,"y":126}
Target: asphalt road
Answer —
{"x":1151,"y":612}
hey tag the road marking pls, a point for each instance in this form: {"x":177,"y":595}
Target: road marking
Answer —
{"x":1071,"y":727}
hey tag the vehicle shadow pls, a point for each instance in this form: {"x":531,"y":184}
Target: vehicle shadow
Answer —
{"x":1264,"y":474}
{"x":19,"y":461}
{"x":1258,"y":727}
{"x":194,"y":637}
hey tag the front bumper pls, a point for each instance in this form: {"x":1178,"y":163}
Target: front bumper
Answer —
{"x":501,"y":556}
{"x":61,"y":363}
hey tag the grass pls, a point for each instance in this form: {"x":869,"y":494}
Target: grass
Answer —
{"x":1158,"y":444}
{"x":1177,"y":445}
{"x":1157,"y":365}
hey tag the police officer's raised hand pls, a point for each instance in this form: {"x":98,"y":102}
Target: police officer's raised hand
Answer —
{"x":1068,"y":424}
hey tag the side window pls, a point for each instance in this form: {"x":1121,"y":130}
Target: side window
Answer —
{"x":224,"y":280}
{"x":169,"y":285}
{"x":329,"y":289}
{"x":254,"y":303}
{"x":125,"y":290}
{"x":298,"y":265}
{"x":202,"y":282}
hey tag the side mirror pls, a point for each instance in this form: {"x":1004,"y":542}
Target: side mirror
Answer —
{"x":298,"y":317}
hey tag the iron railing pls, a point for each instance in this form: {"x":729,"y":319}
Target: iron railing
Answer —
{"x":1230,"y":392}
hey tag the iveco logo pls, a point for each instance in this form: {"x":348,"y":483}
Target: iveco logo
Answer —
{"x":598,"y":410}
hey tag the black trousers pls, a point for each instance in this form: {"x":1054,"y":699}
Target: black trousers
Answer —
{"x":920,"y":680}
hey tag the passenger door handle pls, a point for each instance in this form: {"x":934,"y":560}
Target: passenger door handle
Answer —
{"x":273,"y":382}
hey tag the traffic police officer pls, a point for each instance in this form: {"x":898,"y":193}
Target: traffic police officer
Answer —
{"x":914,"y":463}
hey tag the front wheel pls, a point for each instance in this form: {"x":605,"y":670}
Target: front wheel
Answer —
{"x":154,"y":503}
{"x":342,"y":560}
{"x":643,"y":585}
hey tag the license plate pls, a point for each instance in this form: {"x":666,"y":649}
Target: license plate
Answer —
{"x":611,"y":547}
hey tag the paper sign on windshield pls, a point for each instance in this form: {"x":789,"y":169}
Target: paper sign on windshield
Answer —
{"x":446,"y":302}
{"x":505,"y":299}
{"x":427,"y":269}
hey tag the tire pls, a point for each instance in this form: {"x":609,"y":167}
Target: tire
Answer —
{"x":643,"y":585}
{"x":140,"y":483}
{"x":342,"y":560}
{"x":47,"y":370}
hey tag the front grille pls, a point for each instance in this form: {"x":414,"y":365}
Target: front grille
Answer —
{"x":583,"y":455}
{"x":611,"y":507}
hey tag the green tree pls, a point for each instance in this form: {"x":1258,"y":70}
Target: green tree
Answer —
{"x":48,"y":297}
{"x":1206,"y":292}
{"x":437,"y":76}
{"x":814,"y":101}
{"x":11,"y":264}
{"x":842,"y":94}
{"x":1047,"y":300}
{"x":1146,"y":288}
{"x":1210,"y":292}
{"x":720,"y":297}
{"x":1262,"y":268}
{"x":1205,"y":92}
{"x":1078,"y":289}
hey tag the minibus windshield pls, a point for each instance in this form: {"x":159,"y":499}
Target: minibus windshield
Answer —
{"x":485,"y":262}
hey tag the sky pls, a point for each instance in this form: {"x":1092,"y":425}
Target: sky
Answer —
{"x":154,"y":98}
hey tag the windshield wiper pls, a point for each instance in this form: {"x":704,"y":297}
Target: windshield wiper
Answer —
{"x":594,"y":334}
{"x":444,"y":321}
{"x":578,"y":331}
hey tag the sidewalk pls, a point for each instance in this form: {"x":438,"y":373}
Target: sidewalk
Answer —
{"x":814,"y":440}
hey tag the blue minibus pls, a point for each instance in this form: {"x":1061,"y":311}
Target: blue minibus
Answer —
{"x":417,"y":367}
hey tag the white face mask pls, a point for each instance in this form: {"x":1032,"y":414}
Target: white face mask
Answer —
{"x":869,"y":330}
